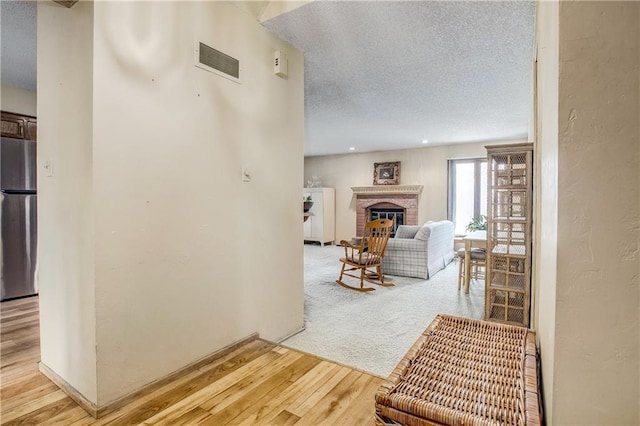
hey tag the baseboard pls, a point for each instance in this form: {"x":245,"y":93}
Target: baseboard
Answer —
{"x":97,"y":412}
{"x":278,"y":341}
{"x":72,"y":392}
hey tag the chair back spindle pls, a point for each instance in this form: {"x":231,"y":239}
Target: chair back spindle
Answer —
{"x":368,"y":254}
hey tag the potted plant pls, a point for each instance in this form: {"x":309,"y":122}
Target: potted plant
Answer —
{"x":477,"y":224}
{"x":308,"y":202}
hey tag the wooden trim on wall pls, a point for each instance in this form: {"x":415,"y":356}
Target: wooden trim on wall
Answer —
{"x":72,"y":392}
{"x":97,"y":412}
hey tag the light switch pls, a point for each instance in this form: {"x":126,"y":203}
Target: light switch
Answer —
{"x":246,"y":175}
{"x":48,"y":167}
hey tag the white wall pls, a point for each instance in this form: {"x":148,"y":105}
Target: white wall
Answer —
{"x":65,"y":200}
{"x":18,"y":100}
{"x":421,"y":166}
{"x":188,"y":258}
{"x":597,"y":318}
{"x":546,"y":197}
{"x":590,"y":339}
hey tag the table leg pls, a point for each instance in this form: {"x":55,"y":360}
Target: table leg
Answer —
{"x":467,"y":265}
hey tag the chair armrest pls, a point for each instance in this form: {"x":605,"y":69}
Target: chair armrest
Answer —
{"x":354,"y":253}
{"x":406,"y":244}
{"x":347,"y":244}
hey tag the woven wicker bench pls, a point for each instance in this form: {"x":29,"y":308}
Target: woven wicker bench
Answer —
{"x":464,"y":372}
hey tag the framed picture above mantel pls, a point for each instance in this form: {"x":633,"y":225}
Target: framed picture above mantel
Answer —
{"x":386,"y":173}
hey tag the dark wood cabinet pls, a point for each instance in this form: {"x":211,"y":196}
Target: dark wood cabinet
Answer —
{"x":18,"y":126}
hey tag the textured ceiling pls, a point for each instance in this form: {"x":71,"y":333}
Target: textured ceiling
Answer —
{"x":386,"y":75}
{"x":18,"y":44}
{"x":379,"y":75}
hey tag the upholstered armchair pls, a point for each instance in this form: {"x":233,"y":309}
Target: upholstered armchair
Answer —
{"x":419,"y":251}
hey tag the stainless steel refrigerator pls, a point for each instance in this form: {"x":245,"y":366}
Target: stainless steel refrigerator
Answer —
{"x":18,"y":218}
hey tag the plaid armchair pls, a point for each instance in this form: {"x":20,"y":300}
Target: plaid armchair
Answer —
{"x":419,"y":251}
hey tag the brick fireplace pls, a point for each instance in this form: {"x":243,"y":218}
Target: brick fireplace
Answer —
{"x":391,"y":197}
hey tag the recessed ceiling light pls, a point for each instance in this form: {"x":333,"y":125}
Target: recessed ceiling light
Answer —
{"x":352,"y":148}
{"x":425,"y":141}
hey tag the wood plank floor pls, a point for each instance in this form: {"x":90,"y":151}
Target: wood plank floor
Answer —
{"x":258,"y":383}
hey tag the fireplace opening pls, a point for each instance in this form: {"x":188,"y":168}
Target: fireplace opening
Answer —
{"x":386,"y":198}
{"x":388,"y":213}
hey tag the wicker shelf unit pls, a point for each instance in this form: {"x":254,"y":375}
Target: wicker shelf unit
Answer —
{"x":509,"y":216}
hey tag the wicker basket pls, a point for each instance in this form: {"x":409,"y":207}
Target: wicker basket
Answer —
{"x":464,"y":372}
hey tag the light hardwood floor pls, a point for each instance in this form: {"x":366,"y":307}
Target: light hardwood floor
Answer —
{"x":258,"y":383}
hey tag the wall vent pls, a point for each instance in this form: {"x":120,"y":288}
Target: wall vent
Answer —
{"x":215,"y":61}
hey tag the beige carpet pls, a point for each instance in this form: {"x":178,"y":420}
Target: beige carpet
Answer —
{"x":372,"y":331}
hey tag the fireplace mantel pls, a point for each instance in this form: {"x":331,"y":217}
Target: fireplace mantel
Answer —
{"x":387,"y":189}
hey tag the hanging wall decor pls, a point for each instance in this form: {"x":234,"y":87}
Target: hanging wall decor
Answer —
{"x":386,"y":173}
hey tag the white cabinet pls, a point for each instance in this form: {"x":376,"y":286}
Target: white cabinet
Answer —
{"x":321,"y":225}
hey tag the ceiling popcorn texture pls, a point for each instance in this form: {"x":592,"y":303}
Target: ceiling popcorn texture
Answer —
{"x":18,"y":44}
{"x":386,"y":75}
{"x":380,"y":75}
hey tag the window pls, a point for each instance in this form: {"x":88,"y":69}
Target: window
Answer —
{"x":467,"y":191}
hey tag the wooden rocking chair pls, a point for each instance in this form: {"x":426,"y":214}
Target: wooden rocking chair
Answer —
{"x":367,"y":255}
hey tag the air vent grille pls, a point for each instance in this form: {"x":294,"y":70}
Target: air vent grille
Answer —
{"x":219,"y":61}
